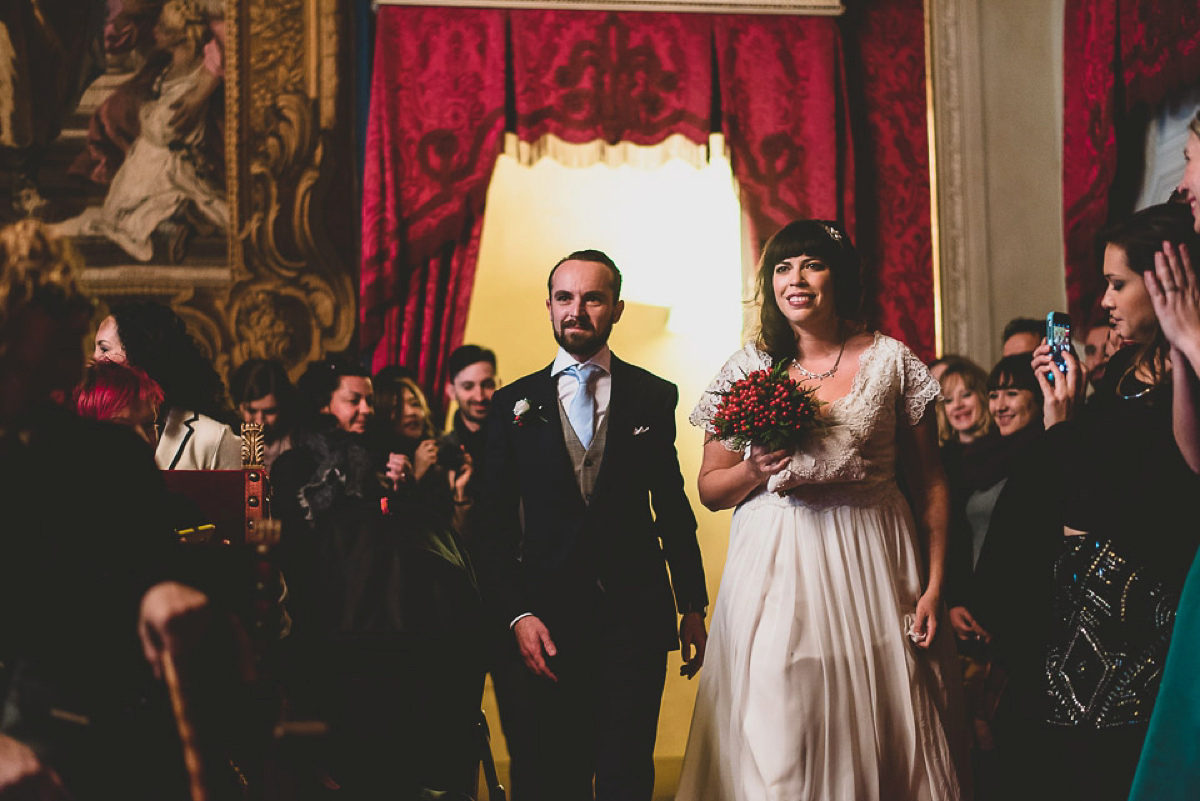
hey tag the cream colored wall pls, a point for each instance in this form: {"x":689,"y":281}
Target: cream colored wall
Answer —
{"x":675,"y":233}
{"x":1021,"y":91}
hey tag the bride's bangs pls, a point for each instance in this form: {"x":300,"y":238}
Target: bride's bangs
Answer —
{"x":799,"y":238}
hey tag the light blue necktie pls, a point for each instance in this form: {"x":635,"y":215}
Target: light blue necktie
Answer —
{"x":582,"y":412}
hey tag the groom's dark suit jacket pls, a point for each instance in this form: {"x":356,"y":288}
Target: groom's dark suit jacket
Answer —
{"x":573,"y":557}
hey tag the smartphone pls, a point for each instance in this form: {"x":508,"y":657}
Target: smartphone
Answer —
{"x":1058,"y":337}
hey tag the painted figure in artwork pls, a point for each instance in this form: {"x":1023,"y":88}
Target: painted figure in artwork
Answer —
{"x":166,"y":183}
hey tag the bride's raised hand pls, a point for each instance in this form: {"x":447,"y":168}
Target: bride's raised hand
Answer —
{"x":764,"y":463}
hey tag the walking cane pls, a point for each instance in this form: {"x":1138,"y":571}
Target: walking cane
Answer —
{"x":187,"y":732}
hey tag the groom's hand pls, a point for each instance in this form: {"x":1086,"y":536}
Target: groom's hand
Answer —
{"x":693,"y":638}
{"x":533,"y":638}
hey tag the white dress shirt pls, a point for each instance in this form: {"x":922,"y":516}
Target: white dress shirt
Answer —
{"x":568,"y":384}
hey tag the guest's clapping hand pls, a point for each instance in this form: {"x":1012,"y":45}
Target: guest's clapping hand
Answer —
{"x":424,"y":458}
{"x":1062,"y":398}
{"x":693,"y":639}
{"x":172,"y":620}
{"x":1175,"y":294}
{"x":399,"y":469}
{"x":460,"y":478}
{"x":24,"y":778}
{"x":764,"y":463}
{"x":965,"y":625}
{"x":533,"y":638}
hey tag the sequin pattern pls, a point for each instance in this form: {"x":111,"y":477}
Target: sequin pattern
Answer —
{"x":1113,"y":628}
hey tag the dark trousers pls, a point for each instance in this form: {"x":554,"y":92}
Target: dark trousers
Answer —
{"x":598,"y":721}
{"x":511,"y":682}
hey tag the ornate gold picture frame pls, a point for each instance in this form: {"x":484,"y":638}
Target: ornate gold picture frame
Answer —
{"x":219,"y":208}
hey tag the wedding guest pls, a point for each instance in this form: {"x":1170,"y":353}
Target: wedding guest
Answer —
{"x":1098,"y":348}
{"x":407,"y":432}
{"x":1116,"y":588}
{"x":980,"y":469}
{"x":1022,"y":335}
{"x":152,"y":337}
{"x":405,"y":422}
{"x":120,"y":393}
{"x":979,"y":478}
{"x":335,"y":398}
{"x":263,"y":394}
{"x":84,"y":603}
{"x":963,"y":415}
{"x":1168,"y":769}
{"x":386,"y":611}
{"x":1004,"y":589}
{"x":816,"y":684}
{"x":471,"y":384}
{"x":1188,"y":189}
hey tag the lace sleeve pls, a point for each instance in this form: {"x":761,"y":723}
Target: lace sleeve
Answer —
{"x":918,"y":387}
{"x":737,"y":366}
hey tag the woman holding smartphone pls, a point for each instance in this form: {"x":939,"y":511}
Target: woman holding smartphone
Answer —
{"x":1129,"y":494}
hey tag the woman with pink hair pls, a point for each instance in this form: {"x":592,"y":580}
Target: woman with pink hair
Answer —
{"x":120,"y":393}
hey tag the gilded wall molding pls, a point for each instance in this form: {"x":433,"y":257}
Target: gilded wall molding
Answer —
{"x":958,"y":131}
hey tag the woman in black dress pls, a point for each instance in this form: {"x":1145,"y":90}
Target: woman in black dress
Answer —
{"x":1129,"y":499}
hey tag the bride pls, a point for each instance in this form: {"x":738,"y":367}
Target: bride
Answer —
{"x":826,"y":678}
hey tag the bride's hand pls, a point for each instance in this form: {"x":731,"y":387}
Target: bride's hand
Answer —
{"x":925,"y":624}
{"x":764,"y":463}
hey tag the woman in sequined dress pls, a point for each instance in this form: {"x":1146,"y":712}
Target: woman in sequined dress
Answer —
{"x":1129,"y":495}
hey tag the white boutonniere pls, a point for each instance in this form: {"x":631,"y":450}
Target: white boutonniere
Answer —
{"x":521,"y":410}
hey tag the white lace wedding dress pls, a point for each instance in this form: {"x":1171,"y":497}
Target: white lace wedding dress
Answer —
{"x":811,"y":689}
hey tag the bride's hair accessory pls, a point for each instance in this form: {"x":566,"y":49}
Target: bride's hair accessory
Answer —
{"x":834,"y":233}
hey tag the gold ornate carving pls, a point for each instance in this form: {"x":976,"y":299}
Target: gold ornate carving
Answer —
{"x":253,"y":449}
{"x":277,"y":52}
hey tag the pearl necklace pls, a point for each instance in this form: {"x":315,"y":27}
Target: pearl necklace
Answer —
{"x":830,"y":373}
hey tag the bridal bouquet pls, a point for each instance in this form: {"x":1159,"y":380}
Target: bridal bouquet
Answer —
{"x":766,"y":408}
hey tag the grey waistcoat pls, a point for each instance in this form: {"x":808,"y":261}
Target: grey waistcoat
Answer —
{"x":586,"y":461}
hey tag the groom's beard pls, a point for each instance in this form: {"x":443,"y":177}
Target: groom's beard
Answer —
{"x":579,"y":337}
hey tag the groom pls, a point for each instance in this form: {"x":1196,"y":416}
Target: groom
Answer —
{"x":573,"y":559}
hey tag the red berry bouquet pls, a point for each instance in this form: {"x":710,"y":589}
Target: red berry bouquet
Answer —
{"x":766,"y":408}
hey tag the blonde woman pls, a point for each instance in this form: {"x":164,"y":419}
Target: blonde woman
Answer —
{"x":963,"y":415}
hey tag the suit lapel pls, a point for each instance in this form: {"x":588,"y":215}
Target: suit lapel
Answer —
{"x":176,"y":434}
{"x":552,"y":442}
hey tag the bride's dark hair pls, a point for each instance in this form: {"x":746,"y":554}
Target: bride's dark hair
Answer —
{"x":821,"y":239}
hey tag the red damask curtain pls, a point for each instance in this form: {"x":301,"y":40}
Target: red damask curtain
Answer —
{"x":885,"y":46}
{"x":631,"y":77}
{"x":784,"y":118}
{"x":438,"y":112}
{"x":1119,"y":57}
{"x":435,"y":130}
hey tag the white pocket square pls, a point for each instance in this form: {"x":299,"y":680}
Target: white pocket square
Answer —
{"x":640,"y":430}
